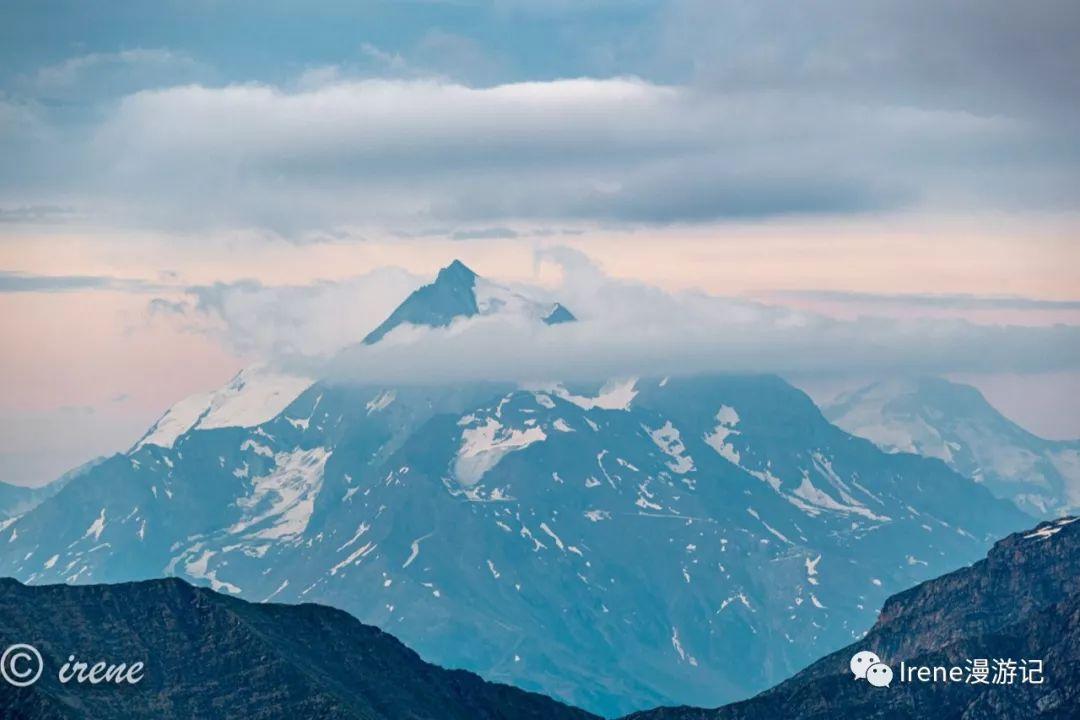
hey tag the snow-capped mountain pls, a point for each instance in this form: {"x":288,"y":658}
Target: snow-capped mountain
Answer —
{"x":254,"y":396}
{"x":954,"y":423}
{"x":459,"y":292}
{"x":619,"y":545}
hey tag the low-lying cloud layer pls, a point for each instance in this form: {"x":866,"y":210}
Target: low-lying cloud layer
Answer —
{"x":624,"y":328}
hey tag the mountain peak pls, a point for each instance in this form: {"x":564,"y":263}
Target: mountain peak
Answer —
{"x":456,"y":271}
{"x":559,"y":314}
{"x":458,"y":292}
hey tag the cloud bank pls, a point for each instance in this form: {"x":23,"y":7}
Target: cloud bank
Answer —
{"x":625,"y":328}
{"x":307,"y":323}
{"x":633,"y":114}
{"x":397,"y":153}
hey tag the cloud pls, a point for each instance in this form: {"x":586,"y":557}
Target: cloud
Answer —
{"x":493,"y":233}
{"x":37,"y":214}
{"x":987,"y":57}
{"x":164,"y":307}
{"x":12,"y":282}
{"x":488,"y":349}
{"x":945,"y":300}
{"x":94,"y":76}
{"x":606,"y":113}
{"x":483,"y":350}
{"x":624,"y":328}
{"x":289,"y":322}
{"x":422,"y":152}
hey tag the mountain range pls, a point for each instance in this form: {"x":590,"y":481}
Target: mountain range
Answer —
{"x":954,"y":423}
{"x":616,"y":544}
{"x":209,"y":655}
{"x":1021,"y":603}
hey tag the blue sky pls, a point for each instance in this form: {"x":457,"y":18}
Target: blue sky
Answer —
{"x":273,"y":41}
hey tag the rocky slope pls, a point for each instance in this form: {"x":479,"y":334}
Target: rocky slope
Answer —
{"x":16,"y":500}
{"x":213,"y":657}
{"x":954,"y":423}
{"x":458,"y":292}
{"x":1022,"y":602}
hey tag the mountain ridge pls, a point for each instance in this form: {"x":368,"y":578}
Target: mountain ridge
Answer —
{"x":700,"y":512}
{"x":540,"y":535}
{"x":212,"y":656}
{"x":458,"y":292}
{"x":953,"y":422}
{"x":1022,"y":601}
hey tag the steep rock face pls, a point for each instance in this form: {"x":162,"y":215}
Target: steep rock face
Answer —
{"x":458,"y":292}
{"x":209,"y":656}
{"x":452,"y":295}
{"x":618,"y":546}
{"x":954,"y":423}
{"x":1022,"y":603}
{"x":559,"y":314}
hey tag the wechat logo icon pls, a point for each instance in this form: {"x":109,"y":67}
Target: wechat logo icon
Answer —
{"x":867,"y":666}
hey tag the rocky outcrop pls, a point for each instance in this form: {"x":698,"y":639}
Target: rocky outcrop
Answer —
{"x":1021,"y":603}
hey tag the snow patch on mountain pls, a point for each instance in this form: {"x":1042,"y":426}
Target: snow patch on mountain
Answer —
{"x":819,"y":498}
{"x":198,"y":569}
{"x":670,"y":443}
{"x":677,"y":645}
{"x":614,"y":395}
{"x":354,"y":558}
{"x":254,"y":396}
{"x":280,"y":503}
{"x":380,"y":402}
{"x":414,"y":550}
{"x":97,"y":527}
{"x":484,"y":445}
{"x":492,"y":299}
{"x":561,"y":426}
{"x":176,"y":421}
{"x":727,"y":418}
{"x":954,"y":423}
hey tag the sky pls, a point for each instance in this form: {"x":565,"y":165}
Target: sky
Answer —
{"x":834,"y":191}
